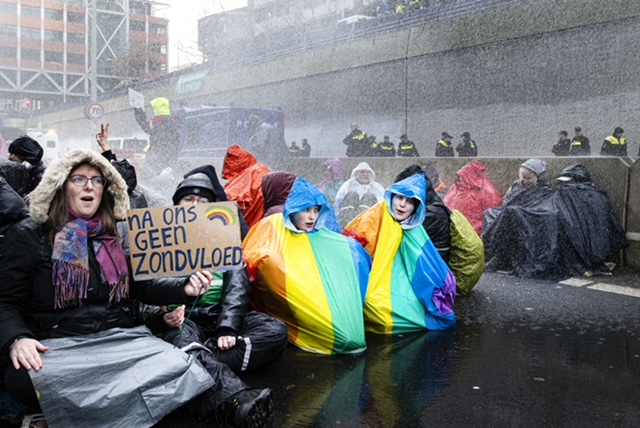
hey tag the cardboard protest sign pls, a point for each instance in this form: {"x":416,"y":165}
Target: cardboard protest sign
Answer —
{"x":180,"y":240}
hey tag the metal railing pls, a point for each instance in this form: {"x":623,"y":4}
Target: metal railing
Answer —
{"x":299,"y":42}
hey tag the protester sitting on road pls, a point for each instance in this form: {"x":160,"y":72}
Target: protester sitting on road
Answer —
{"x":64,"y":273}
{"x":410,"y":286}
{"x":332,"y":179}
{"x":26,"y":149}
{"x":521,"y":235}
{"x":591,"y":233}
{"x":532,"y":175}
{"x":357,"y":194}
{"x":244,"y":182}
{"x":532,"y":185}
{"x":311,"y":278}
{"x":433,"y":176}
{"x":472,"y":193}
{"x":464,"y":254}
{"x":437,"y":218}
{"x":202,"y":185}
{"x":236,"y":338}
{"x":14,"y":173}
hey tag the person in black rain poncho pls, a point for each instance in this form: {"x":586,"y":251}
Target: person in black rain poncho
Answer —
{"x":539,"y":233}
{"x":591,"y":232}
{"x":520,"y":235}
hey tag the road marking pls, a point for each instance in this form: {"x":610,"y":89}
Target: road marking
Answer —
{"x":609,"y":288}
{"x":576,"y":282}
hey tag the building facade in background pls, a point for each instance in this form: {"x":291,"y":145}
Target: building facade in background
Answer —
{"x":46,"y":53}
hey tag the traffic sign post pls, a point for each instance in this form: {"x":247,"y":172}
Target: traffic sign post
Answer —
{"x":93,"y":111}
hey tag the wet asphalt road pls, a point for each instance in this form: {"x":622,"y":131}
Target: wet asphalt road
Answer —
{"x":524,"y":354}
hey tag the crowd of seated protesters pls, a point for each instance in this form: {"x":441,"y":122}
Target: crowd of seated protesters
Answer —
{"x":534,"y":230}
{"x":539,"y":232}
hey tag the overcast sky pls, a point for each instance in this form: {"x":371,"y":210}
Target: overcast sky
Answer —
{"x":183,"y":18}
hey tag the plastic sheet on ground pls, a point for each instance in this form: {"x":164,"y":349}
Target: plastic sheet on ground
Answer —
{"x":115,"y":378}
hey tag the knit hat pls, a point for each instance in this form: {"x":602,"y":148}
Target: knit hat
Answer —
{"x":196,"y":184}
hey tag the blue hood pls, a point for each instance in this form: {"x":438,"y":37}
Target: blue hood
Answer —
{"x":305,"y":195}
{"x":412,"y":187}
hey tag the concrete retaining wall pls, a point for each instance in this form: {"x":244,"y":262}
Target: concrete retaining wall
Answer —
{"x":619,"y":179}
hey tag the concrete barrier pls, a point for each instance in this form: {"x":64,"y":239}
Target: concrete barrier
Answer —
{"x":618,"y":177}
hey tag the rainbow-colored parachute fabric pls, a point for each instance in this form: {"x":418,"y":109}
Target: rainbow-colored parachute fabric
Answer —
{"x":314,"y":282}
{"x":410,"y":286}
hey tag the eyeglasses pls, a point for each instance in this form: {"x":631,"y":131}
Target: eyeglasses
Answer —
{"x":81,"y":181}
{"x":191,"y":199}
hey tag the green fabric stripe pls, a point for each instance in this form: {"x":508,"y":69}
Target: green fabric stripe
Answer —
{"x":341,"y":286}
{"x":403,"y":298}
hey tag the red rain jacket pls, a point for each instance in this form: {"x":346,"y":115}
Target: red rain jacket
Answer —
{"x":472,"y":193}
{"x":244,"y":182}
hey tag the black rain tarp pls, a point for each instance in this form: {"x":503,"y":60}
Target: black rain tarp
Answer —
{"x":553,"y":234}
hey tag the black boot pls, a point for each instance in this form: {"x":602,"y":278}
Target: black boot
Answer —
{"x":251,"y":408}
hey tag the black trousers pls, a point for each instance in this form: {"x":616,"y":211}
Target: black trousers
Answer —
{"x":262,"y":340}
{"x":18,"y":383}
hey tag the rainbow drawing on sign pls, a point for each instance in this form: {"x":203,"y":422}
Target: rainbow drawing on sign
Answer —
{"x":225,"y":215}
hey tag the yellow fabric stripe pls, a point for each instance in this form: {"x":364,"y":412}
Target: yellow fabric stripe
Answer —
{"x":305,"y":292}
{"x":378,"y":304}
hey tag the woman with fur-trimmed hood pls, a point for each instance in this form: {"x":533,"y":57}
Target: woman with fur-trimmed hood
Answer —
{"x":64,"y":273}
